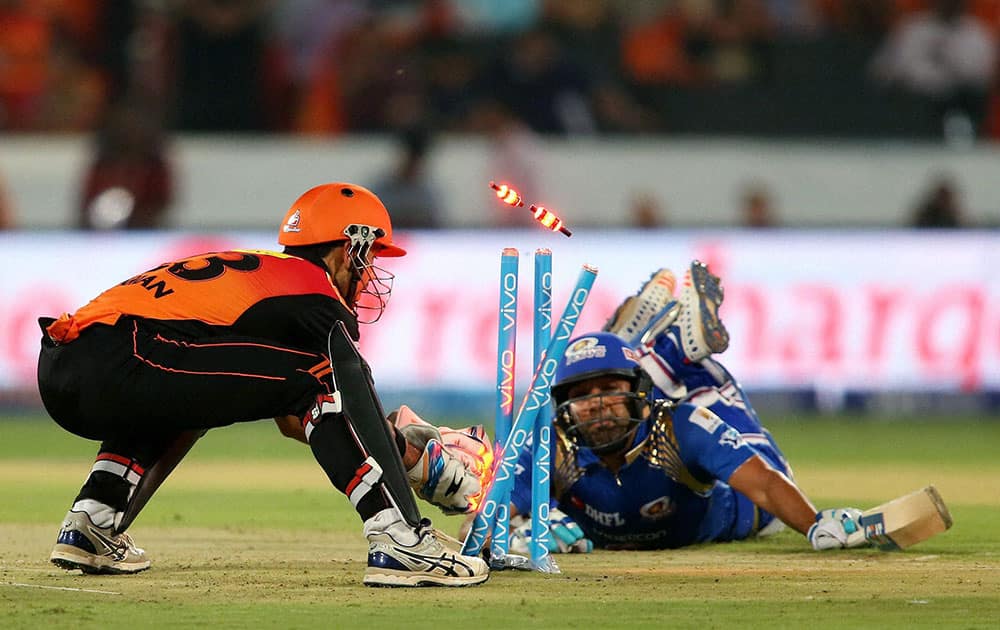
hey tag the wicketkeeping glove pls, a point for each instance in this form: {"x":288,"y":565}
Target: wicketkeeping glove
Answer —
{"x":453,"y":464}
{"x":837,"y":529}
{"x":565,"y":536}
{"x":441,"y":478}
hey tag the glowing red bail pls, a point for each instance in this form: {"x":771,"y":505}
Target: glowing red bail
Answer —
{"x":507,"y":194}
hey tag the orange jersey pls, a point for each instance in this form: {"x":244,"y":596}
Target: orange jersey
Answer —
{"x":241,"y":292}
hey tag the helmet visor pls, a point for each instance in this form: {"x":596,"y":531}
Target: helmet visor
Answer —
{"x":375,"y":287}
{"x":603,"y":422}
{"x":373,"y":283}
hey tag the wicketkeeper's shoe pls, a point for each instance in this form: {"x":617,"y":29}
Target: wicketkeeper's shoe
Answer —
{"x":92,"y":549}
{"x":653,"y":304}
{"x":702,"y":332}
{"x":399,"y":555}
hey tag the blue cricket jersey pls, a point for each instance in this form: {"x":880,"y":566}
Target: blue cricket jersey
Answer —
{"x":668,"y":494}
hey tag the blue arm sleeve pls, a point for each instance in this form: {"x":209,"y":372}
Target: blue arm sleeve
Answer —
{"x":707,"y":444}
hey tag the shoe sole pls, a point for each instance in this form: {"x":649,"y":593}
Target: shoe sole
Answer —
{"x":709,"y":288}
{"x":703,"y":292}
{"x":388,"y":578}
{"x":71,"y":561}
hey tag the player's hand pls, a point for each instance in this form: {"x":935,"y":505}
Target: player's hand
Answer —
{"x":453,"y":465}
{"x":415,"y":429}
{"x":565,"y":536}
{"x":836,"y":529}
{"x":442,"y":478}
{"x":472,"y":446}
{"x":469,"y":444}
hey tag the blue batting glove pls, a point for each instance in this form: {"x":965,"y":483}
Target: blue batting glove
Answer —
{"x":565,"y":536}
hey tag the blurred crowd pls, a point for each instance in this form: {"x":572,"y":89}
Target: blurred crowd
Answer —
{"x":555,"y":66}
{"x":134,"y":71}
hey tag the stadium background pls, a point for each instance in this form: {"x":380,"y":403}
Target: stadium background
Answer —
{"x":836,"y":161}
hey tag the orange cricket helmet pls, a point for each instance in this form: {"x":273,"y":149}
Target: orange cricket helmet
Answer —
{"x":326,"y":213}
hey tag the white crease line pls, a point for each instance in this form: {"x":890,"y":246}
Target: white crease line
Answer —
{"x":61,"y":588}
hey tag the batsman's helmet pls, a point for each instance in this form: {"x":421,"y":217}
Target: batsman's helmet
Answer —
{"x":590,"y":356}
{"x":598,"y":354}
{"x":338,"y":212}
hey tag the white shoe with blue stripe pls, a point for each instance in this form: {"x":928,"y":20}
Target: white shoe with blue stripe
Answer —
{"x":92,"y":549}
{"x":399,"y":555}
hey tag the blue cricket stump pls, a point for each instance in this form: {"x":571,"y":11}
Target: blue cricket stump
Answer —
{"x":504,"y":412}
{"x":541,"y":442}
{"x":527,"y":414}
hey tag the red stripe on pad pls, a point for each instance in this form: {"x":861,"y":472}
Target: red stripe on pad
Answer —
{"x":124,"y":461}
{"x":358,"y":477}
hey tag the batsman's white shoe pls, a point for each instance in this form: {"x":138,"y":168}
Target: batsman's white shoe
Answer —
{"x":92,"y":549}
{"x":772,"y":528}
{"x":702,"y":332}
{"x":652,"y":305}
{"x":398,"y":555}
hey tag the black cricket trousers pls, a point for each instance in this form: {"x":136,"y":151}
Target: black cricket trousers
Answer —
{"x":135,"y":380}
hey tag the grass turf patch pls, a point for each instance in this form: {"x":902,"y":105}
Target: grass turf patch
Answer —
{"x":248,"y":533}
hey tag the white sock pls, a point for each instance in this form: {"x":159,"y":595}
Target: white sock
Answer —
{"x":101,"y":514}
{"x":390,"y":521}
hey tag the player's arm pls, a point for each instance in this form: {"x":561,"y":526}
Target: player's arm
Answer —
{"x":710,"y":445}
{"x":773,"y":492}
{"x":291,"y":427}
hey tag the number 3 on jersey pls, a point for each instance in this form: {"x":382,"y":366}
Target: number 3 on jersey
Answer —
{"x":209,"y":267}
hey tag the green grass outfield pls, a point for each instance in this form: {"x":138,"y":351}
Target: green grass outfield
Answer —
{"x":248,"y":533}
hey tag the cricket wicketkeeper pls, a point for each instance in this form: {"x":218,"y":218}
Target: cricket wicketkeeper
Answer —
{"x":150,"y":364}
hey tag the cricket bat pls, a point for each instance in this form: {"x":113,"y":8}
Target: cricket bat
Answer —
{"x":907,"y":520}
